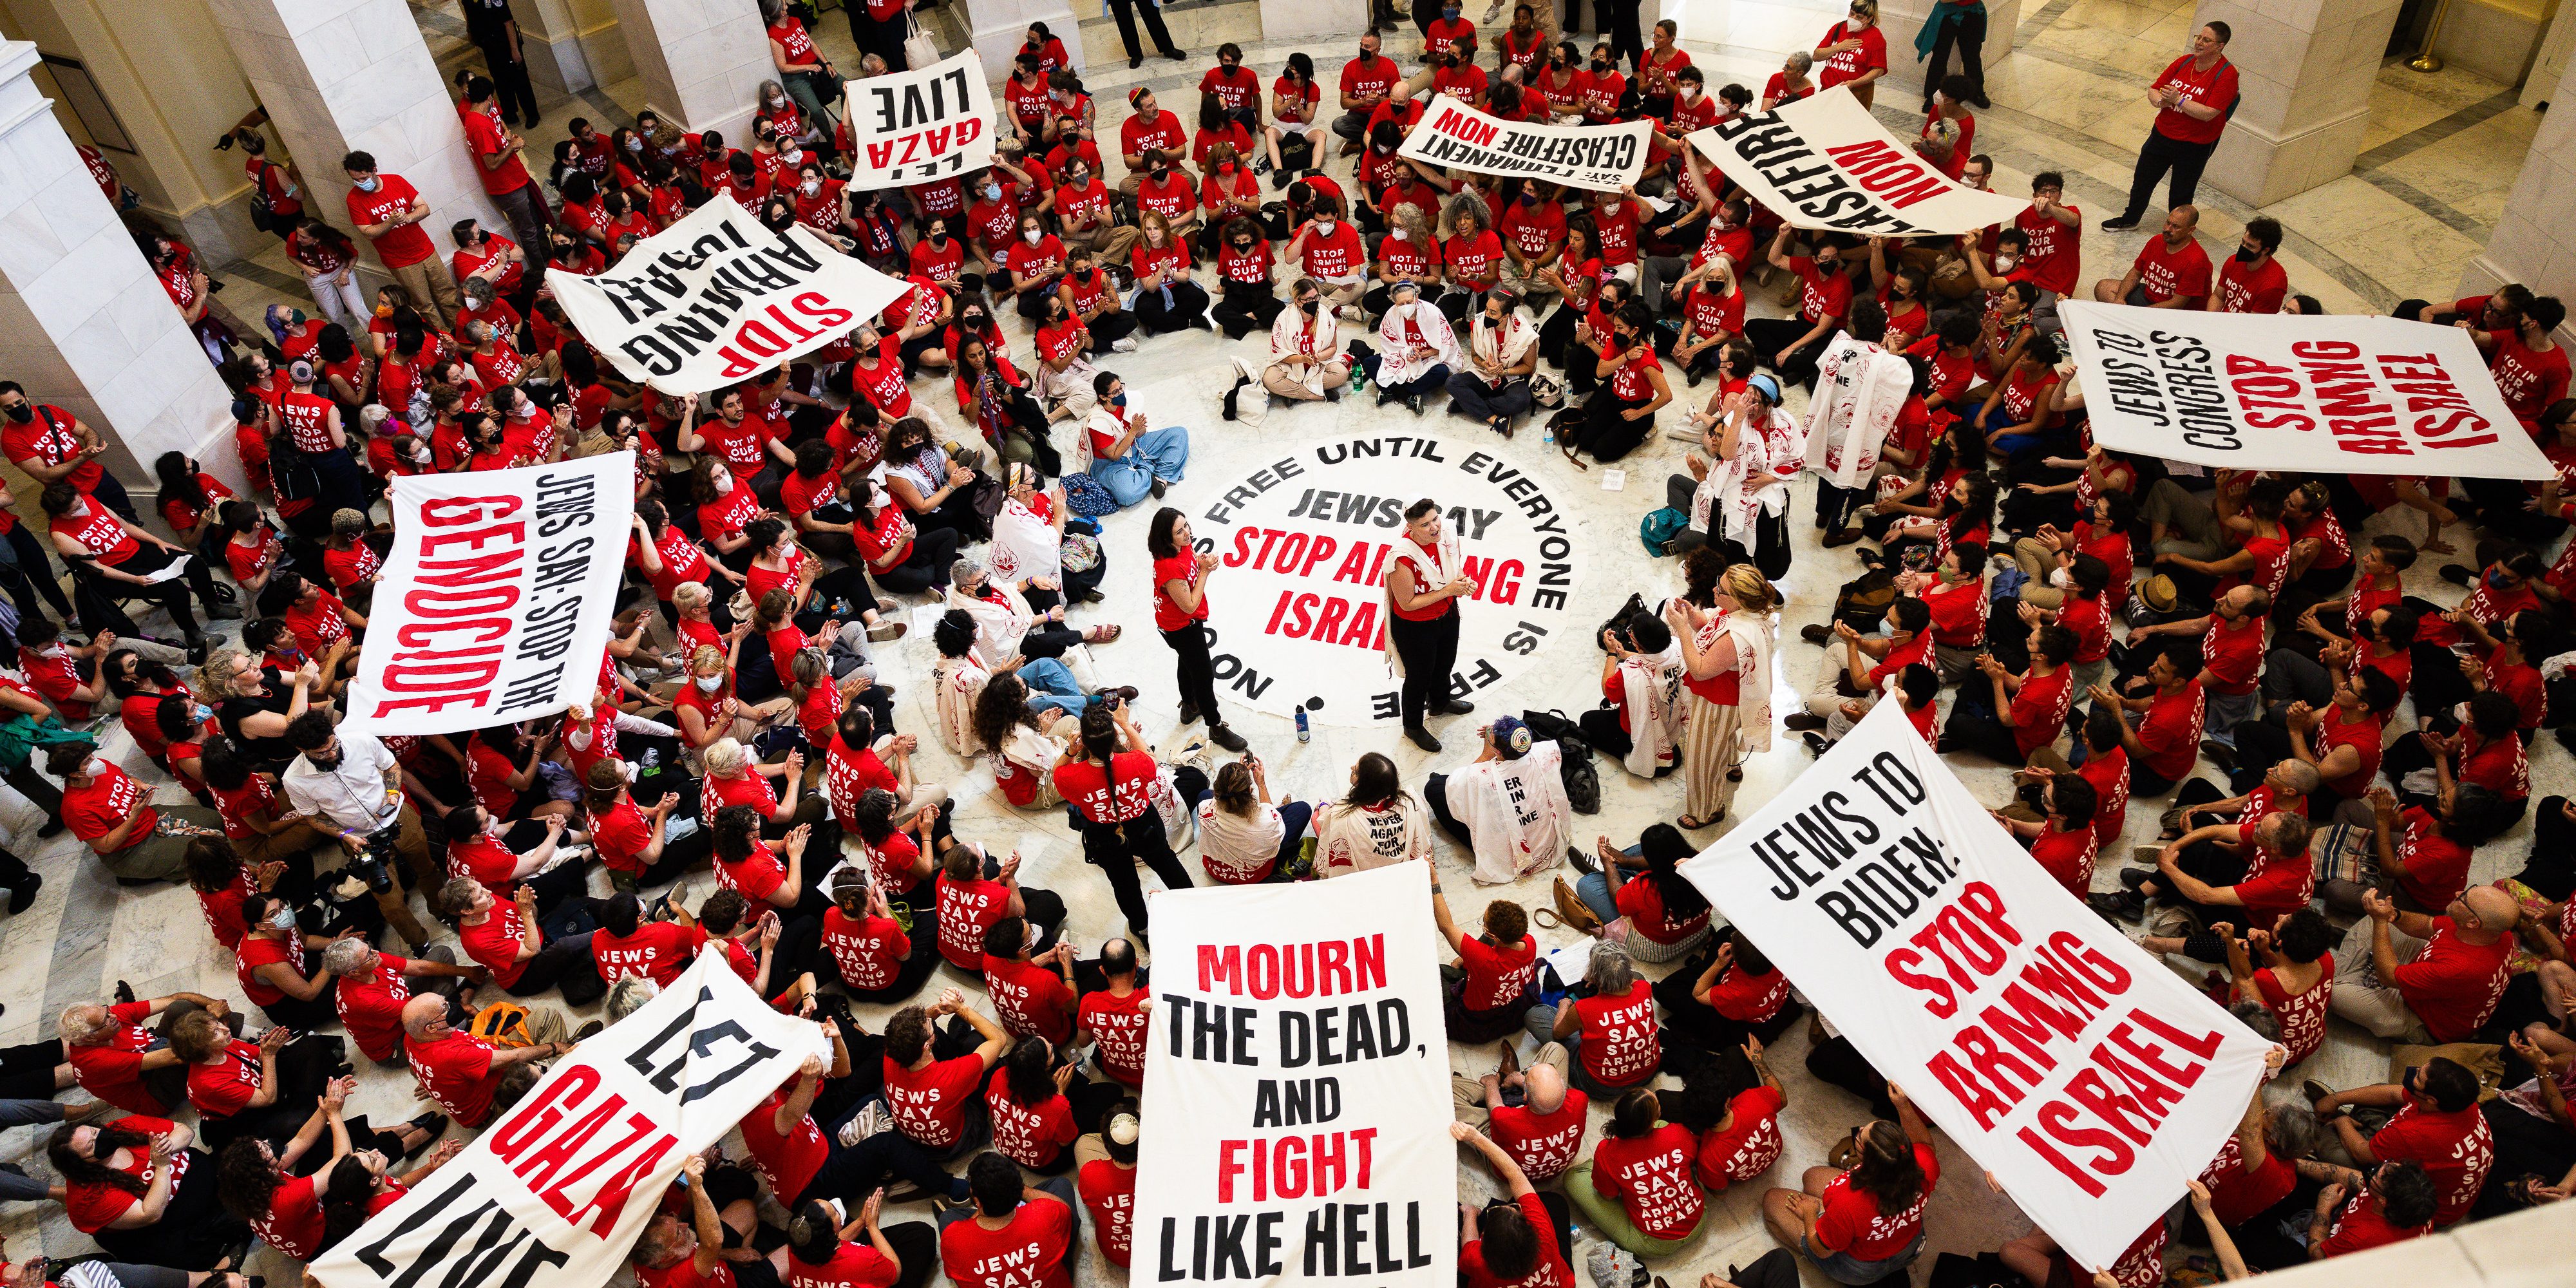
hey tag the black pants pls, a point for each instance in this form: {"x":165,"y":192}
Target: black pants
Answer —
{"x":1115,"y":847}
{"x":1837,"y":1061}
{"x":305,"y":1068}
{"x":1197,"y":671}
{"x":1619,"y":27}
{"x":99,"y":597}
{"x":1974,"y":726}
{"x":194,"y":1232}
{"x":2185,"y":160}
{"x":934,"y":551}
{"x":1248,"y":307}
{"x":1835,"y":506}
{"x":1968,"y":34}
{"x":1188,"y":304}
{"x":517,"y":98}
{"x":2551,"y":869}
{"x":31,"y":574}
{"x":566,"y":963}
{"x":27,"y":1072}
{"x":1769,"y":336}
{"x":1430,"y":653}
{"x":1600,"y":727}
{"x":884,"y":39}
{"x":1124,"y":12}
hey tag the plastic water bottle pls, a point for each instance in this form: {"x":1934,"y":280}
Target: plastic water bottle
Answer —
{"x":1303,"y":734}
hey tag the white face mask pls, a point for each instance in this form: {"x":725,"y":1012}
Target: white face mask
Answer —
{"x":282,"y":919}
{"x":2061,"y":578}
{"x":2004,"y":263}
{"x":791,"y":155}
{"x":1324,"y":226}
{"x":1031,"y":235}
{"x":94,"y":767}
{"x":810,"y":187}
{"x":1399,"y":234}
{"x":710,"y":683}
{"x":724,"y":484}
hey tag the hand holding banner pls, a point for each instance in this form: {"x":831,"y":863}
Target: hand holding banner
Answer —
{"x":2091,"y":1080}
{"x":717,"y":297}
{"x":494,"y":602}
{"x":915,"y":126}
{"x":1603,"y":158}
{"x":1824,"y":162}
{"x":2320,"y":395}
{"x":562,"y":1185}
{"x":1298,"y":1069}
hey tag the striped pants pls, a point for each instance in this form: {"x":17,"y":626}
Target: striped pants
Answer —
{"x":1708,"y":751}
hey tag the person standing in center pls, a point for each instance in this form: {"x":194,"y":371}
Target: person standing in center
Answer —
{"x":1180,"y":609}
{"x":1424,"y":581}
{"x":2193,"y":99}
{"x":1726,"y":665}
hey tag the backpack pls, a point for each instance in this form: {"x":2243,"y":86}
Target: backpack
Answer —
{"x":503,"y":1024}
{"x":1658,"y":529}
{"x":1087,"y":496}
{"x":1574,"y":758}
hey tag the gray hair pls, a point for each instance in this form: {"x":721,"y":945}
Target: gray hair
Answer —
{"x":2258,"y":1017}
{"x":348,"y":956}
{"x":1800,"y":61}
{"x":966,"y":569}
{"x":2301,"y":776}
{"x":725,"y":757}
{"x":2291,"y":1131}
{"x":82,"y":1023}
{"x":1611,"y":973}
{"x":629,"y":994}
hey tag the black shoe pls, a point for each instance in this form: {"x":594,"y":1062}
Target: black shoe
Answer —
{"x":1453,"y":707}
{"x":1239,"y":383}
{"x":1124,"y":692}
{"x":24,"y":893}
{"x":1332,"y":393}
{"x":1583,"y":863}
{"x":1817,"y":744}
{"x":1158,"y":488}
{"x":1226,"y":737}
{"x":2126,"y":905}
{"x":1422,"y":737}
{"x":1411,"y":401}
{"x":1693,"y":376}
{"x":2459,"y":574}
{"x":588,"y":1031}
{"x":2566,"y":735}
{"x":1281,"y":179}
{"x":1189,"y":713}
{"x":2120,"y":224}
{"x":1803,"y":721}
{"x":2220,"y":754}
{"x":2132,"y":878}
{"x":1176,"y":55}
{"x":123,"y":991}
{"x":1817,"y":634}
{"x":1136,"y":62}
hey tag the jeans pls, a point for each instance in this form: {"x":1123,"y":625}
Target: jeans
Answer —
{"x":1157,"y":454}
{"x":1052,"y":686}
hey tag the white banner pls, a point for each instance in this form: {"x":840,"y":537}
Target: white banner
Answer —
{"x":717,"y":297}
{"x":929,"y":123}
{"x":1600,"y":157}
{"x":494,"y":603}
{"x":1298,"y":1069}
{"x":2320,"y":395}
{"x":2089,"y":1078}
{"x":558,"y":1189}
{"x":1824,"y":162}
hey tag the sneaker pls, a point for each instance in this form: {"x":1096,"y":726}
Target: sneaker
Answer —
{"x":2118,"y":224}
{"x":2126,"y":905}
{"x":1412,"y":402}
{"x":1803,"y":721}
{"x":588,"y":1031}
{"x":1584,"y":863}
{"x":1159,"y":487}
{"x":1123,"y":344}
{"x":1226,"y":737}
{"x":678,"y":828}
{"x":887,"y":629}
{"x":2132,"y":878}
{"x":871,"y":1120}
{"x":1817,"y":744}
{"x":1422,"y":737}
{"x":2459,"y":574}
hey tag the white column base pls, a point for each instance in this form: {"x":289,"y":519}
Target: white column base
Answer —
{"x":2259,"y":168}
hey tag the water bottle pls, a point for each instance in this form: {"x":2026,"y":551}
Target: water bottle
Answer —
{"x":1303,"y":734}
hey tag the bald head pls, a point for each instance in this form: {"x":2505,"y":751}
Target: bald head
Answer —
{"x":424,"y":1015}
{"x":2495,"y":910}
{"x":1546,"y":1088}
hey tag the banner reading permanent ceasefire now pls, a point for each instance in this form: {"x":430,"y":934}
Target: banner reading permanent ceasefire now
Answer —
{"x":1824,"y":162}
{"x":1599,"y":157}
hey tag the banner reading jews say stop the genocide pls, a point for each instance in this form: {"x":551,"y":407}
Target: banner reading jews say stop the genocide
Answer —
{"x":717,"y":297}
{"x":1298,"y":1070}
{"x":2320,"y":395}
{"x":1599,"y":157}
{"x":494,"y":602}
{"x":557,"y":1189}
{"x":926,"y":124}
{"x":2091,"y":1080}
{"x":1824,"y":162}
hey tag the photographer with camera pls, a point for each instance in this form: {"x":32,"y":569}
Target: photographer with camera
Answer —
{"x":350,"y":786}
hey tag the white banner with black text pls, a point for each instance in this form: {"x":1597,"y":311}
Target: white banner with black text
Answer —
{"x":2089,"y":1078}
{"x":1824,"y":162}
{"x":1298,"y":1069}
{"x":1599,"y":157}
{"x":919,"y":126}
{"x":495,"y":600}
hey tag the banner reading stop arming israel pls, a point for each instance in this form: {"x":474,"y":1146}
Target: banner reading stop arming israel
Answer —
{"x":494,"y":602}
{"x":1824,"y":162}
{"x":2089,"y":1079}
{"x":1599,"y":157}
{"x":559,"y":1187}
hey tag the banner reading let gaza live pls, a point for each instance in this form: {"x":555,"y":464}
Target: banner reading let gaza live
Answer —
{"x":1598,"y":157}
{"x":495,"y":599}
{"x":1825,"y":162}
{"x":2091,"y":1080}
{"x":1298,"y":1067}
{"x":2351,"y":395}
{"x":562,"y":1184}
{"x":717,"y":297}
{"x":929,"y":123}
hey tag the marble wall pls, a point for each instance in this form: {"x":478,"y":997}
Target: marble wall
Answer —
{"x":2535,"y":237}
{"x":701,"y":61}
{"x":2305,"y":68}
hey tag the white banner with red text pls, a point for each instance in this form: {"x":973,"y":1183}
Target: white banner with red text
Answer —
{"x":920,"y":126}
{"x":2089,"y":1078}
{"x":1298,"y":1069}
{"x":562,"y":1183}
{"x":2320,"y":395}
{"x":1603,"y":158}
{"x":1824,"y":162}
{"x":494,"y":602}
{"x":717,"y":298}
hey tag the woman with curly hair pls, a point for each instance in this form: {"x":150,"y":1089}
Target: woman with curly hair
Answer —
{"x":139,"y":1189}
{"x":1023,"y":742}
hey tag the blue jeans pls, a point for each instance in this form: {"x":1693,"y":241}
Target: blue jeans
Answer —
{"x":1844,"y":1268}
{"x":1156,"y":454}
{"x":1052,"y":687}
{"x":1594,"y":889}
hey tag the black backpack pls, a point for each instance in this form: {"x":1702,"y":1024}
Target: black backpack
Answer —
{"x":1574,"y":765}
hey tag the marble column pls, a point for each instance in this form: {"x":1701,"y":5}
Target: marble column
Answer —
{"x":995,"y":28}
{"x":702,"y":61}
{"x":2535,"y":239}
{"x":83,"y":323}
{"x":2305,"y":68}
{"x":1901,"y":19}
{"x":342,"y":76}
{"x":551,"y":37}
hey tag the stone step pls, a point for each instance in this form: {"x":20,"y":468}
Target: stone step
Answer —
{"x":1197,"y":27}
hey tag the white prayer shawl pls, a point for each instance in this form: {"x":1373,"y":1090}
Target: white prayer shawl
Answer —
{"x":1859,"y":390}
{"x":1450,"y":565}
{"x":1725,"y":504}
{"x":998,"y":627}
{"x":1033,"y":752}
{"x":1025,"y":545}
{"x":1071,"y":386}
{"x":1753,"y":698}
{"x":1412,"y":340}
{"x":1651,"y":685}
{"x":1353,"y":838}
{"x":956,"y":683}
{"x":1516,"y":810}
{"x":1104,"y":419}
{"x":1294,"y":332}
{"x":1504,"y":346}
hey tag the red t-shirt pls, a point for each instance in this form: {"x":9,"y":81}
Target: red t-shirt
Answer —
{"x":1110,"y":1192}
{"x":2052,"y":255}
{"x":483,"y":140}
{"x":1032,"y":1136}
{"x":1029,"y":1252}
{"x":2164,"y":273}
{"x":2171,"y":731}
{"x":1650,"y":1177}
{"x":2437,"y":867}
{"x":457,"y":1070}
{"x":1551,"y":1269}
{"x":2454,"y":1149}
{"x":495,"y":942}
{"x":1749,"y":1147}
{"x":929,"y":1106}
{"x":404,"y":246}
{"x":2251,"y":290}
{"x":2453,"y":985}
{"x":1029,"y":998}
{"x":658,"y":950}
{"x":113,"y":1070}
{"x":1620,"y":1047}
{"x":1119,"y":1025}
{"x":2213,"y":88}
{"x":371,"y":1009}
{"x":1496,"y":976}
{"x":1853,"y":1223}
{"x":854,"y":1265}
{"x":870,"y":953}
{"x":1544,"y":1145}
{"x":787,"y":1162}
{"x":93,"y":1208}
{"x":223,"y":1089}
{"x":966,"y":910}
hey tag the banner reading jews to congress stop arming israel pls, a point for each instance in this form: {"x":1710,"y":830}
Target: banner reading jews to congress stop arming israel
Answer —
{"x":2089,"y":1078}
{"x":717,"y":297}
{"x":1824,"y":162}
{"x":1297,"y":1070}
{"x":2320,"y":395}
{"x":557,"y":1189}
{"x":1599,"y":157}
{"x":494,"y":602}
{"x":926,"y":124}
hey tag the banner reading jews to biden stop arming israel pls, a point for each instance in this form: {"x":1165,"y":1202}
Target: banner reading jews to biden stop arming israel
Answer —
{"x":1298,"y":1071}
{"x":717,"y":297}
{"x":1599,"y":157}
{"x":2089,"y":1078}
{"x":919,"y":126}
{"x":495,"y":600}
{"x":2320,"y":395}
{"x":1824,"y":162}
{"x":557,"y":1189}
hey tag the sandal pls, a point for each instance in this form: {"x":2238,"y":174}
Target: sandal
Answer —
{"x":1103,"y":634}
{"x":1689,"y":824}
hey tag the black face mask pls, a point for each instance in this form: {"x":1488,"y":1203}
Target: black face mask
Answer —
{"x":1600,"y":66}
{"x":22,"y":413}
{"x":939,"y":240}
{"x":1243,"y":245}
{"x":2247,"y":255}
{"x":1308,"y":306}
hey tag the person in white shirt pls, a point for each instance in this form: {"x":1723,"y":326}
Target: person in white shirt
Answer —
{"x":351,"y":786}
{"x":1509,"y":805}
{"x":1243,"y":838}
{"x":1378,"y":824}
